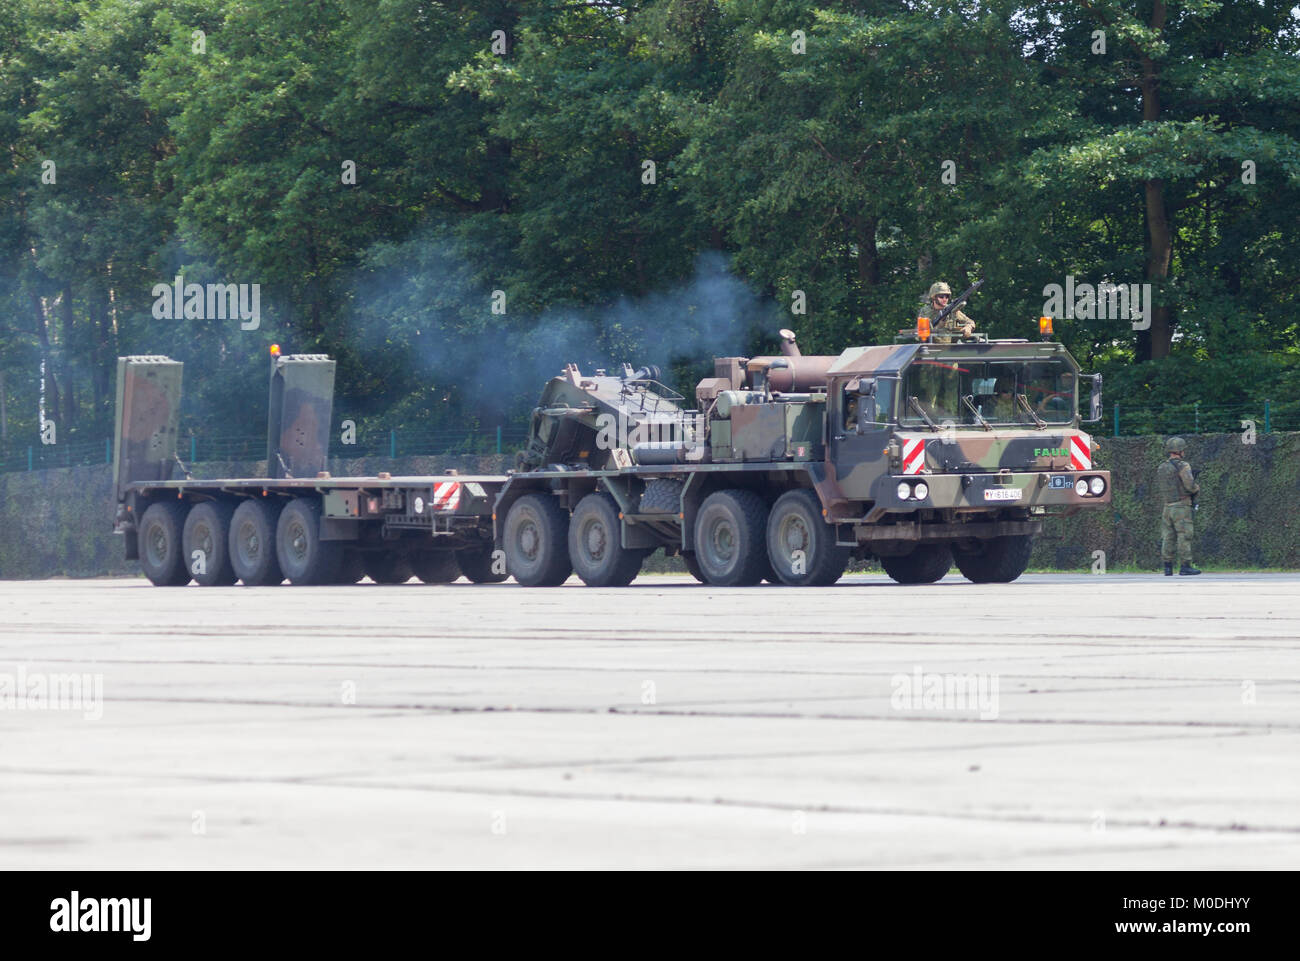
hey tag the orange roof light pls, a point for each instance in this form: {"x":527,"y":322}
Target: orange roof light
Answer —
{"x":275,"y":350}
{"x":923,"y":328}
{"x":1045,"y":326}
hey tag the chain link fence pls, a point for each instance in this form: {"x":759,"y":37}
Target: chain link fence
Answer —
{"x":1120,"y":420}
{"x":202,"y":448}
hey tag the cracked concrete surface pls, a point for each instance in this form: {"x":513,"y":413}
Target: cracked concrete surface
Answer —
{"x":1140,"y":723}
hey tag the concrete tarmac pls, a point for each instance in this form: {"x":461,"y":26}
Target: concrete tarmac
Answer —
{"x":1063,"y":721}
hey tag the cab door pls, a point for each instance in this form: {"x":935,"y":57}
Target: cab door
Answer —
{"x":860,"y":430}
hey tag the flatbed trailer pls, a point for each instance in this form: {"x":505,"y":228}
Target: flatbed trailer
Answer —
{"x":790,"y":467}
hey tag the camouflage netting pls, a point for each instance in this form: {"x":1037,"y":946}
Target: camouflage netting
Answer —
{"x":1247,"y":500}
{"x":57,"y":522}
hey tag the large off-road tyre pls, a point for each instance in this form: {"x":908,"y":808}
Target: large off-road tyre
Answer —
{"x":435,"y":567}
{"x":693,"y":566}
{"x":536,"y":541}
{"x":799,"y":538}
{"x":304,"y":557}
{"x":476,"y":564}
{"x":161,"y":550}
{"x":252,"y":543}
{"x":925,"y":565}
{"x":997,"y":561}
{"x":596,"y":544}
{"x":207,"y":530}
{"x":384,"y":567}
{"x":730,"y":538}
{"x":352,"y":567}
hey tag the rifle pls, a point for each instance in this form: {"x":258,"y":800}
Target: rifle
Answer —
{"x":957,"y":303}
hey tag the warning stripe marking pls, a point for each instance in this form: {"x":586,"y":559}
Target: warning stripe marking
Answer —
{"x":1081,"y":452}
{"x":913,"y":455}
{"x":446,"y":496}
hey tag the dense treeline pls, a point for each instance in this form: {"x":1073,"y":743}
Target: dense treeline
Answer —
{"x":454,"y":198}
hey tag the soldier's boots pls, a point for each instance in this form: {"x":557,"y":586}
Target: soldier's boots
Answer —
{"x":1169,"y":568}
{"x":1188,"y":569}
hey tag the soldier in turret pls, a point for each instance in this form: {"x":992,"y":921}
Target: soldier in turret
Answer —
{"x":1177,"y":489}
{"x":939,"y":297}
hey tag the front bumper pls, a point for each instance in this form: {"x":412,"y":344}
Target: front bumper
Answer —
{"x":992,"y":491}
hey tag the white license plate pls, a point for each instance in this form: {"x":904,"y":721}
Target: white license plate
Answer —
{"x":1002,"y":494}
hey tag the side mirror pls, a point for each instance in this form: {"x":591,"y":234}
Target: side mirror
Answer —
{"x":866,"y":403}
{"x":1094,"y":402}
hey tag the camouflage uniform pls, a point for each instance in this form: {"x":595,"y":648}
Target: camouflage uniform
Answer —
{"x":953,"y":323}
{"x":1175,"y":484}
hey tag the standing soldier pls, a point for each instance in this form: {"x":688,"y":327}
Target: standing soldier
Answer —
{"x":1178,"y":489}
{"x":940,"y":295}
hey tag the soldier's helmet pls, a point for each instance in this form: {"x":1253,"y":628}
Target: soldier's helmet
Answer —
{"x":937,"y":288}
{"x":1175,"y":444}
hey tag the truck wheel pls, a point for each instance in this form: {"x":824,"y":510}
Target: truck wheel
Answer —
{"x":730,"y":538}
{"x":693,"y":566}
{"x":160,"y":537}
{"x":997,"y":561}
{"x":252,"y":543}
{"x":798,"y":538}
{"x":207,"y":529}
{"x":595,"y":544}
{"x":387,"y":568}
{"x":476,"y":564}
{"x":925,"y":565}
{"x":304,"y":557}
{"x":536,"y":541}
{"x":435,"y":567}
{"x":351,"y":568}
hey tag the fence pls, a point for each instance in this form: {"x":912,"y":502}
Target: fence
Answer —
{"x":1128,"y":420}
{"x":1195,"y":417}
{"x":201,"y":448}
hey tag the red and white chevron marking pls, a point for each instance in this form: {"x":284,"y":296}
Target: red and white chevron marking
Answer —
{"x":913,"y":455}
{"x":446,"y":496}
{"x":1081,"y":452}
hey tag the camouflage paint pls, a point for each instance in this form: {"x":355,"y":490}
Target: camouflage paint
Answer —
{"x":298,"y":418}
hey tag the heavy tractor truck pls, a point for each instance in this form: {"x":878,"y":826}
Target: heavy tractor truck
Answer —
{"x":920,"y":454}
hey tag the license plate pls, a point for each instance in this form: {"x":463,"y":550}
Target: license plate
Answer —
{"x":1002,"y":494}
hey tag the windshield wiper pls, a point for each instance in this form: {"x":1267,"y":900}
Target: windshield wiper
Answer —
{"x":916,"y":406}
{"x":1024,"y":402}
{"x":969,"y":401}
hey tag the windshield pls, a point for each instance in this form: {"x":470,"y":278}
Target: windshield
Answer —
{"x":974,"y":392}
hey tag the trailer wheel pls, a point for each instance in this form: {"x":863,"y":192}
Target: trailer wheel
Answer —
{"x":730,"y":538}
{"x":252,"y":543}
{"x":536,"y":541}
{"x":800,"y":544}
{"x":161,"y":533}
{"x":476,"y":564}
{"x":925,"y":565}
{"x":303,"y":556}
{"x":436,"y":567}
{"x":388,"y":568}
{"x":207,"y":532}
{"x":596,"y":544}
{"x":997,"y":561}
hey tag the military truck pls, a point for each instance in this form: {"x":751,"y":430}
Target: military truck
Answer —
{"x":922,"y":454}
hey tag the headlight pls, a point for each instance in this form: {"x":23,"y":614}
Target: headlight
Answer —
{"x":1081,"y":487}
{"x":921,"y":490}
{"x":419,"y":505}
{"x":904,"y":491}
{"x":1098,"y":486}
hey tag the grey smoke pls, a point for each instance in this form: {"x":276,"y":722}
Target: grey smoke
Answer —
{"x":424,"y":305}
